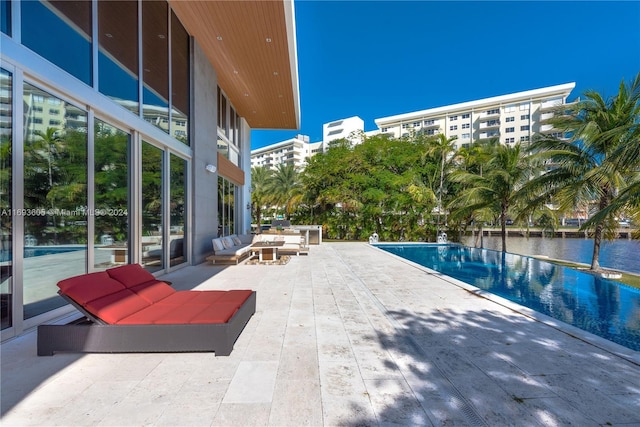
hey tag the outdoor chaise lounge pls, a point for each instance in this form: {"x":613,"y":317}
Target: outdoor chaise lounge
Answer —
{"x":128,"y":310}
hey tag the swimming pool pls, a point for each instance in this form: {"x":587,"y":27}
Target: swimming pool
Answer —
{"x":600,"y":306}
{"x":34,"y":251}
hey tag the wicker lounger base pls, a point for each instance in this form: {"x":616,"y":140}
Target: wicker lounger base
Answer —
{"x":88,"y":337}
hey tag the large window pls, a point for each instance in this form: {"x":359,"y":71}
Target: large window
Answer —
{"x":60,"y":31}
{"x":179,"y":80}
{"x":118,"y":52}
{"x":177,"y":193}
{"x":5,"y":16}
{"x":6,"y":216}
{"x":111,"y":196}
{"x":226,"y":203}
{"x":155,"y":62}
{"x":152,"y":218}
{"x":55,"y":200}
{"x":228,"y":130}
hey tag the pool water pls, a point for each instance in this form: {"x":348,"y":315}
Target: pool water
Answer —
{"x":603,"y":307}
{"x":34,"y":251}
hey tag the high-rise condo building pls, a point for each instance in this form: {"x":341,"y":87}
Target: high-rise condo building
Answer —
{"x":511,"y":118}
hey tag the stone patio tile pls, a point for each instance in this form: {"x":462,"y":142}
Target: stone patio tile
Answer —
{"x":297,"y":403}
{"x":253,"y":382}
{"x":242,"y":414}
{"x":394,"y":403}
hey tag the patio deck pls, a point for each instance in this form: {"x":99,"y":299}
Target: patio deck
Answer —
{"x":347,"y":336}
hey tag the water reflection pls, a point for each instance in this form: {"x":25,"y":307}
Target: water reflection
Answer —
{"x":600,"y":306}
{"x":618,"y":254}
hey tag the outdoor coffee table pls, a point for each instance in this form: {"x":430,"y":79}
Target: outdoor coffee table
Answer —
{"x":267,"y":250}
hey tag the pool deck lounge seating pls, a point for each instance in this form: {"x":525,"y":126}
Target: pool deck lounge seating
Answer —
{"x":349,"y":336}
{"x":127,"y":310}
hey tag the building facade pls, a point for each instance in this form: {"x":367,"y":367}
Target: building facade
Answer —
{"x":511,"y":118}
{"x":125,"y":135}
{"x":297,"y":150}
{"x":293,"y":151}
{"x":351,"y":129}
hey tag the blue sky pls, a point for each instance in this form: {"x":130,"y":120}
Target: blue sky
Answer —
{"x":380,"y":58}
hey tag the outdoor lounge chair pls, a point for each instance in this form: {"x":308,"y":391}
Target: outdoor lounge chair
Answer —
{"x":128,"y":310}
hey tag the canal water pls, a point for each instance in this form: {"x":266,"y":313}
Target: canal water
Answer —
{"x":620,"y":254}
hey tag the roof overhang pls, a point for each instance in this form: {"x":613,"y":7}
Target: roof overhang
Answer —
{"x":252,"y":47}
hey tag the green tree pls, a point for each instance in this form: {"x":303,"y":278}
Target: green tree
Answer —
{"x":496,"y":188}
{"x":260,"y":194}
{"x":285,"y":188}
{"x":596,"y":164}
{"x":442,"y":148}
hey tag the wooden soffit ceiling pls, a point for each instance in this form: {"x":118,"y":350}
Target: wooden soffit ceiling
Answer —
{"x":252,"y":46}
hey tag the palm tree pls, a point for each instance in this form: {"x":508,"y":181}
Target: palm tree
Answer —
{"x":598,"y":163}
{"x":260,"y":195}
{"x":286,"y":188}
{"x":442,"y":147}
{"x":496,"y":188}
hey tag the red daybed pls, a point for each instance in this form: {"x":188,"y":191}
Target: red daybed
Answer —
{"x":128,"y":310}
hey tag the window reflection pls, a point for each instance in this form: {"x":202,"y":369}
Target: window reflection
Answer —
{"x":179,"y":80}
{"x":6,"y":223}
{"x":155,"y":61}
{"x":118,"y":52}
{"x":5,"y":17}
{"x":222,"y":113}
{"x":228,"y":144}
{"x":177,"y":193}
{"x":152,"y":241}
{"x":226,"y":204}
{"x":55,"y":197}
{"x":111,"y":196}
{"x":60,"y":31}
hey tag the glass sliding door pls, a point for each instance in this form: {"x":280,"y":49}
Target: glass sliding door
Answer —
{"x":111,"y":168}
{"x":6,"y":217}
{"x":152,"y":218}
{"x":55,"y":197}
{"x":177,"y":193}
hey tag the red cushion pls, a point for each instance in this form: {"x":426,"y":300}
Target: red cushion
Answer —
{"x":130,"y":275}
{"x":153,"y":291}
{"x":89,"y":287}
{"x":206,"y":297}
{"x":215,"y":313}
{"x":114,"y":307}
{"x":147,"y":316}
{"x":237,"y":297}
{"x":181,"y":314}
{"x":179,"y":298}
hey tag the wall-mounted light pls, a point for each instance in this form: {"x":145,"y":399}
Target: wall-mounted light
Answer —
{"x":248,"y":206}
{"x":211,"y":168}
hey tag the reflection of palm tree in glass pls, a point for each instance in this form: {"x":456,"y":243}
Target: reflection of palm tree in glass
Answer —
{"x":151,"y":189}
{"x":50,"y":140}
{"x":111,"y":177}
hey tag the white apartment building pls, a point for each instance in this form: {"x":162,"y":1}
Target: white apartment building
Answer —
{"x":293,"y":151}
{"x":351,"y":129}
{"x":511,"y":118}
{"x":296,"y":150}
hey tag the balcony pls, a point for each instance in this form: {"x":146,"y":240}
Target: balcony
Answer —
{"x":490,"y":114}
{"x":490,"y":124}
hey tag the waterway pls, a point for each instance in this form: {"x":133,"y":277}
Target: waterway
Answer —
{"x":620,"y":254}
